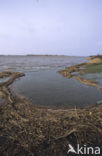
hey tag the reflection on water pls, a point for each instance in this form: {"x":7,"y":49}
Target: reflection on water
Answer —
{"x":45,"y":86}
{"x":51,"y":88}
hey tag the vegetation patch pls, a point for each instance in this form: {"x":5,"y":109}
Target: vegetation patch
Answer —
{"x":93,"y":66}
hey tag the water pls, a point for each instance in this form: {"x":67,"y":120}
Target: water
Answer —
{"x":45,"y":86}
{"x":4,"y":79}
{"x":36,"y":63}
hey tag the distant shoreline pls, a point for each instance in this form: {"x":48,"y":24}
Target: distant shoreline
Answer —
{"x":45,"y":55}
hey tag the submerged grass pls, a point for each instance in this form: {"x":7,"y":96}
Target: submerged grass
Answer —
{"x":93,"y":68}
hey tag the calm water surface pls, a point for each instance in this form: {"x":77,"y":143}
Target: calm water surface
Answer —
{"x":45,"y":86}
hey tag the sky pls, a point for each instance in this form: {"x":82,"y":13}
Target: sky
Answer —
{"x":53,"y":27}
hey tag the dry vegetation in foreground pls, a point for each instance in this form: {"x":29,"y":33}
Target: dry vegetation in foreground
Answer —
{"x":26,"y":130}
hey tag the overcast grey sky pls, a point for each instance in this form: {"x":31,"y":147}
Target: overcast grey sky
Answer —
{"x":64,"y":27}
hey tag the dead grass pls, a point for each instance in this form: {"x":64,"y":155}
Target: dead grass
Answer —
{"x":39,"y":131}
{"x":95,"y":60}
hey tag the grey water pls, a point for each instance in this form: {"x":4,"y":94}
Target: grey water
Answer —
{"x":44,"y":86}
{"x":4,"y":79}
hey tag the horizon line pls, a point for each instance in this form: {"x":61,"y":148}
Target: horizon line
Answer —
{"x":43,"y":55}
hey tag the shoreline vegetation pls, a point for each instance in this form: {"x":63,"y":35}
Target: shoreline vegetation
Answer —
{"x":27,"y":130}
{"x":94,"y":65}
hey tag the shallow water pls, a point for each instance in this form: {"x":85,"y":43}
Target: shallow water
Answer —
{"x":4,"y":79}
{"x":45,"y":86}
{"x":94,"y":76}
{"x":51,"y":88}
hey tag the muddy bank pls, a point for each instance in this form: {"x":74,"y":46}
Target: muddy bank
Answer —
{"x":29,"y":130}
{"x":4,"y":91}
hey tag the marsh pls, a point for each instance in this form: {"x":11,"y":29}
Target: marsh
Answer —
{"x":44,"y":86}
